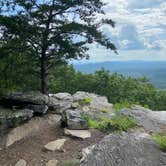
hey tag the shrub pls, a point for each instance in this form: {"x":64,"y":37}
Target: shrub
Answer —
{"x":90,"y":122}
{"x":72,"y":162}
{"x":161,"y":140}
{"x":119,"y":106}
{"x":117,"y":123}
{"x":123,"y":123}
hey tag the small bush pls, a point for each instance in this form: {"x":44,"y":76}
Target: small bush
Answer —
{"x":118,"y":106}
{"x":123,"y":123}
{"x":90,"y":122}
{"x":161,"y":140}
{"x":117,"y":123}
{"x":72,"y":162}
{"x":85,"y":101}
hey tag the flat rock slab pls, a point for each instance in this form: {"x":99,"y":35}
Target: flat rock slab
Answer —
{"x":55,"y":145}
{"x":21,"y":162}
{"x":52,"y":163}
{"x":78,"y":133}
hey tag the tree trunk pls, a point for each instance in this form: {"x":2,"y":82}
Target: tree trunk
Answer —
{"x":43,"y":75}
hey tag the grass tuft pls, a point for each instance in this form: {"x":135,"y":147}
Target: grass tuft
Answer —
{"x":161,"y":140}
{"x":86,"y":101}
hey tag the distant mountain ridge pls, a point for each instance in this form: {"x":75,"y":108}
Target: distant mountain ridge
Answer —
{"x":153,"y":70}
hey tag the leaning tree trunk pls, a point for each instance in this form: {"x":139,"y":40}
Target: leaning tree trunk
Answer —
{"x":43,"y":75}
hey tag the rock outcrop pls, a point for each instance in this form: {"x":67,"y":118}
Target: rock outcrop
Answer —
{"x":17,"y":108}
{"x":21,"y":115}
{"x":135,"y":149}
{"x":151,"y":121}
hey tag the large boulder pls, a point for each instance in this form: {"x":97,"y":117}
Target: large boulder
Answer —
{"x":96,"y":102}
{"x":136,"y":149}
{"x":151,"y":121}
{"x":92,"y":104}
{"x":73,"y":119}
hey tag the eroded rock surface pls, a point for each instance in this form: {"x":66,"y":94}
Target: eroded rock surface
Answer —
{"x":31,"y":127}
{"x":151,"y":121}
{"x":136,"y":149}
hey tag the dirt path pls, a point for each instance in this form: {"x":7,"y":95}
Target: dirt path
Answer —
{"x":31,"y":148}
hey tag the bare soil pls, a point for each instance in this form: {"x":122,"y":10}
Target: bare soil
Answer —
{"x":31,"y":148}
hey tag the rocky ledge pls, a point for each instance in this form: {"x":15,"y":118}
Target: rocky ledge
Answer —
{"x":19,"y":108}
{"x":135,"y":147}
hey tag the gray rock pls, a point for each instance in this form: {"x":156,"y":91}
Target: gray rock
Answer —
{"x":73,"y":120}
{"x":58,"y":106}
{"x":135,"y":149}
{"x":151,"y":121}
{"x":10,"y":119}
{"x":61,"y":96}
{"x":98,"y":104}
{"x":86,"y":151}
{"x":75,"y":105}
{"x":24,"y":98}
{"x":38,"y":109}
{"x":80,"y":95}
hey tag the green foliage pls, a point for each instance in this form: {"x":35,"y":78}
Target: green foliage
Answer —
{"x":161,"y":140}
{"x":85,"y":101}
{"x":104,"y":111}
{"x":45,"y":31}
{"x":117,"y":123}
{"x":123,"y":123}
{"x":72,"y":162}
{"x":119,"y":89}
{"x":118,"y":106}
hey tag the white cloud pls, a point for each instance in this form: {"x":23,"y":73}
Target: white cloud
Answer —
{"x":140,"y":29}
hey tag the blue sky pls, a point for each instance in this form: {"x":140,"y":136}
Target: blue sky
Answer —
{"x":140,"y":32}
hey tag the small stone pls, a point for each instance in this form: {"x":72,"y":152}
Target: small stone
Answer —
{"x":21,"y":162}
{"x":55,"y":145}
{"x":52,"y":163}
{"x":83,"y":134}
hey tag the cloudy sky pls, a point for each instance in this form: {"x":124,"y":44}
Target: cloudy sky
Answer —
{"x":140,"y":32}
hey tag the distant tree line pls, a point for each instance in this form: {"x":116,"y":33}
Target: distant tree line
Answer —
{"x":64,"y":78}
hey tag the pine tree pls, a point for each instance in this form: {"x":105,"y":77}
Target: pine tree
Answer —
{"x":51,"y":31}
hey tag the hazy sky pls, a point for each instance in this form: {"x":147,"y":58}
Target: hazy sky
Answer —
{"x":140,"y":32}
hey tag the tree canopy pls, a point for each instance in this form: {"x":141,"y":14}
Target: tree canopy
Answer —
{"x":51,"y":32}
